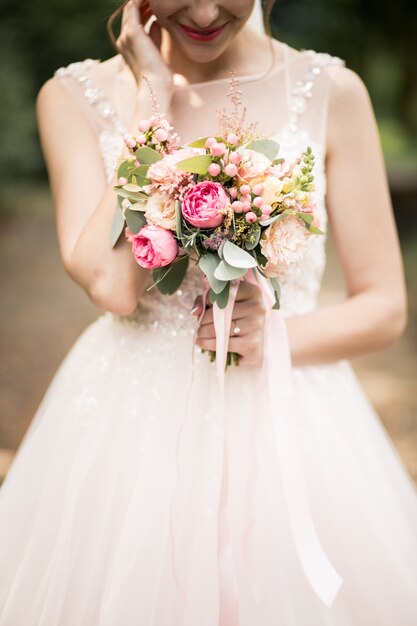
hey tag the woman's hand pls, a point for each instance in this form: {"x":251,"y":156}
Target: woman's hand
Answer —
{"x":248,"y":315}
{"x":141,"y":51}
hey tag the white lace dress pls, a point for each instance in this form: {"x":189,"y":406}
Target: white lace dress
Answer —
{"x":121,"y":507}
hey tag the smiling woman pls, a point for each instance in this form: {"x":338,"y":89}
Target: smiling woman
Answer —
{"x":153,"y":488}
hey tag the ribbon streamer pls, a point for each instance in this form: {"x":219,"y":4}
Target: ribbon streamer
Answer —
{"x":277,"y":367}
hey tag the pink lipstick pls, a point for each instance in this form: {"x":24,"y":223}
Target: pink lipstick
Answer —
{"x":203,"y":35}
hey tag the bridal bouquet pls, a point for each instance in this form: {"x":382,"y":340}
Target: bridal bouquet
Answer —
{"x":227,"y":201}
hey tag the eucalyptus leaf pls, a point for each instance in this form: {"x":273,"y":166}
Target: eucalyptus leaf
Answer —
{"x":208,"y":264}
{"x":117,"y":226}
{"x":135,"y":220}
{"x":226,"y":272}
{"x":141,"y":171}
{"x":169,"y":278}
{"x":198,"y":164}
{"x":315,"y":231}
{"x":147,"y":155}
{"x":268,"y":147}
{"x":222,"y":298}
{"x":133,"y":196}
{"x":237,"y":257}
{"x":138,"y":206}
{"x":131,"y":187}
{"x":125,"y":168}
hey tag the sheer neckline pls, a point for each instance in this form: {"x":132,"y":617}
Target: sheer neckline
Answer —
{"x":277,"y":67}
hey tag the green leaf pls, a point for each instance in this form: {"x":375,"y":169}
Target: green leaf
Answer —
{"x":135,"y":220}
{"x":147,"y":155}
{"x":221,"y":298}
{"x":170,"y":277}
{"x":208,"y":264}
{"x":133,"y":196}
{"x":138,"y":206}
{"x":200,"y":143}
{"x":237,"y":257}
{"x":315,"y":231}
{"x":277,"y":161}
{"x":141,"y":171}
{"x":277,"y":291}
{"x":250,"y":245}
{"x":117,"y":225}
{"x":195,"y":165}
{"x":308,"y":218}
{"x":226,"y":272}
{"x":178,"y":215}
{"x":125,"y":168}
{"x":268,"y":147}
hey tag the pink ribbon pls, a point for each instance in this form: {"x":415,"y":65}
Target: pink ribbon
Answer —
{"x":277,"y":367}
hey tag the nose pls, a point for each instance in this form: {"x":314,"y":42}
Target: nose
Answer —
{"x":203,"y":13}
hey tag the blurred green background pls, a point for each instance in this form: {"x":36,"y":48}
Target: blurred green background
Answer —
{"x":42,"y":312}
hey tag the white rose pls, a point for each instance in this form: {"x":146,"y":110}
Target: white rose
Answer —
{"x":160,"y":211}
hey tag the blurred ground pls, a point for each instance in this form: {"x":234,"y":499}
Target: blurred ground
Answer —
{"x":42,"y":312}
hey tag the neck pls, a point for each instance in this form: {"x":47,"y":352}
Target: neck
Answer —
{"x":246,"y":54}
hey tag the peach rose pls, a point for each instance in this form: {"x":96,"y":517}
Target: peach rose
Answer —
{"x":272,"y":189}
{"x":283,"y":243}
{"x":253,"y":167}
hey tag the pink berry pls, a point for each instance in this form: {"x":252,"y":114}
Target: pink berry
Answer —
{"x":258,"y":189}
{"x":136,"y":163}
{"x":161,"y":134}
{"x":251,"y":217}
{"x":130,"y":142}
{"x":214,"y":169}
{"x":144,"y":126}
{"x":234,"y":157}
{"x":245,"y":190}
{"x":122,"y":180}
{"x":237,"y":206}
{"x":210,"y":142}
{"x":231,"y":169}
{"x":218,"y":149}
{"x":141,"y":139}
{"x":154,"y":119}
{"x":233,"y":192}
{"x":258,"y":202}
{"x":266,"y":209}
{"x":232,"y":139}
{"x":246,"y":206}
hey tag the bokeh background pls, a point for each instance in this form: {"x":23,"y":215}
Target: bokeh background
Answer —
{"x":42,"y":312}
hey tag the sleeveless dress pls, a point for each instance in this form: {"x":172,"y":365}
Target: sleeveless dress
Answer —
{"x":122,"y":508}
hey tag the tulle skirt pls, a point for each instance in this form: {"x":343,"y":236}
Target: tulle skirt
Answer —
{"x":111,"y":511}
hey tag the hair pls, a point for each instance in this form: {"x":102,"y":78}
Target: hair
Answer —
{"x":267,"y":6}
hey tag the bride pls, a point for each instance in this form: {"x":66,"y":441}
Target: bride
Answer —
{"x":141,"y":495}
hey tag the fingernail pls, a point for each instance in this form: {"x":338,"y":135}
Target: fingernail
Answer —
{"x":195,"y":310}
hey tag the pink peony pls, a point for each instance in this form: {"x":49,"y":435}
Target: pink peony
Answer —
{"x":153,"y":246}
{"x":203,"y":205}
{"x":165,"y":175}
{"x":283,"y":243}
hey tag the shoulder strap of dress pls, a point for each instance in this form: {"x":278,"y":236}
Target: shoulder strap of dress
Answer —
{"x":305,"y":112}
{"x":76,"y":77}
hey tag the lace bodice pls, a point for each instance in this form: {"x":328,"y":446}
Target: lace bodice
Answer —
{"x":294,"y":104}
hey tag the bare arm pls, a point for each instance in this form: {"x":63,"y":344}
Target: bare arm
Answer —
{"x":85,"y":201}
{"x":373,"y":315}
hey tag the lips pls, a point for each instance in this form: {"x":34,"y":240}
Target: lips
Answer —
{"x":202,"y":34}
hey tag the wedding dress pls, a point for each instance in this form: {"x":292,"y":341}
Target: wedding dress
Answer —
{"x":138,"y":498}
